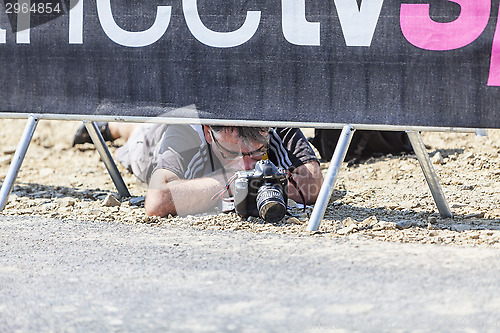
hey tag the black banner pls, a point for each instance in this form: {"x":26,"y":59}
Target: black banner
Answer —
{"x":415,"y":63}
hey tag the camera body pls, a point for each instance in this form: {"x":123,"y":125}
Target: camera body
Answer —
{"x":262,"y":192}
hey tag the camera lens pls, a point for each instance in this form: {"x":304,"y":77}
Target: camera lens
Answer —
{"x":270,"y":203}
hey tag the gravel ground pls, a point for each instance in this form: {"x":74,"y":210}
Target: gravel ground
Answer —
{"x":385,"y":199}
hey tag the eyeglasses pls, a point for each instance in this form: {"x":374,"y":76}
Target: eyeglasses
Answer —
{"x":234,"y":155}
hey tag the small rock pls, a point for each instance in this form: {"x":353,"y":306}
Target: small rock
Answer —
{"x":468,"y":155}
{"x":9,"y":150}
{"x":124,"y":209}
{"x":303,"y":217}
{"x":432,"y":219}
{"x":437,"y":158}
{"x":293,"y":220}
{"x":150,"y":219}
{"x":346,"y":230}
{"x":6,"y":160}
{"x":406,"y":204}
{"x":478,"y":215}
{"x":431,"y":226}
{"x":49,"y":207}
{"x":67,"y":202}
{"x":457,"y":205}
{"x":405,"y":224}
{"x":369,"y":222}
{"x":474,"y":235}
{"x":111,"y":201}
{"x":349,"y":222}
{"x":384,"y":225}
{"x":291,"y":203}
{"x":86,"y":193}
{"x":253,"y":219}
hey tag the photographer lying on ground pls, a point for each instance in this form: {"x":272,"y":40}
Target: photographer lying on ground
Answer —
{"x":186,"y":165}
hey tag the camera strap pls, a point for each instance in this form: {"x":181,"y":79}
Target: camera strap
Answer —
{"x":294,"y":183}
{"x":220,"y":194}
{"x":212,"y":158}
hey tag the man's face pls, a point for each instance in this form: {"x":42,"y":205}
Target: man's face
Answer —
{"x":234,"y":153}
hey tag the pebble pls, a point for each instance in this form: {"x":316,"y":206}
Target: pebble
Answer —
{"x":66,"y":202}
{"x":468,"y":155}
{"x":478,"y":215}
{"x":384,"y":225}
{"x":349,"y":222}
{"x":303,"y":217}
{"x":346,"y":230}
{"x":369,"y":222}
{"x":9,"y":150}
{"x":457,"y":205}
{"x":432,"y":219}
{"x":391,"y":206}
{"x":405,"y":224}
{"x":110,"y":201}
{"x":253,"y":219}
{"x":406,"y":205}
{"x":293,"y":220}
{"x":437,"y":158}
{"x":474,"y":235}
{"x":124,"y":209}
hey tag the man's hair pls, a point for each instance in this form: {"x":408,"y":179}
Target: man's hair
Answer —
{"x":248,"y":134}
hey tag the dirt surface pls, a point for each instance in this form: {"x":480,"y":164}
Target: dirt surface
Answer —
{"x":385,"y":199}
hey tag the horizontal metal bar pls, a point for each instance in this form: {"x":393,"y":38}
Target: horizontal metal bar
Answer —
{"x":229,"y":122}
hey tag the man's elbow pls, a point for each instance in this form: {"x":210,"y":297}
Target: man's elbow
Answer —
{"x":157,"y":205}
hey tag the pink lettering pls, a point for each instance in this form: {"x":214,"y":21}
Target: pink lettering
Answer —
{"x":423,"y":32}
{"x":494,"y":77}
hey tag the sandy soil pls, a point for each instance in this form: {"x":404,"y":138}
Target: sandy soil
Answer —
{"x":385,"y":198}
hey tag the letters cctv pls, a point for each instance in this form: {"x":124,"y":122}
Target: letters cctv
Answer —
{"x":357,"y":23}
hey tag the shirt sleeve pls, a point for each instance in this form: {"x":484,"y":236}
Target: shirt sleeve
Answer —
{"x":177,"y":147}
{"x":297,"y":147}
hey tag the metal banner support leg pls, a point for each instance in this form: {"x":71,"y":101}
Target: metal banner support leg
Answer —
{"x":17,"y":160}
{"x":429,"y":173}
{"x":106,"y":157}
{"x":327,"y":188}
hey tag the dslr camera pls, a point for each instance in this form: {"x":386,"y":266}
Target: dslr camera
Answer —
{"x":261,"y":192}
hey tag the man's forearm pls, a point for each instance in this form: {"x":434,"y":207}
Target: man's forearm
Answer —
{"x":182,"y":197}
{"x":309,"y":179}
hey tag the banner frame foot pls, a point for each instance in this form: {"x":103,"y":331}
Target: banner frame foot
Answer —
{"x":327,"y":187}
{"x":106,"y":157}
{"x":17,"y":159}
{"x":430,"y":174}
